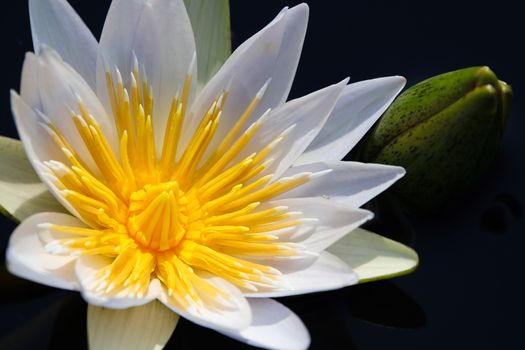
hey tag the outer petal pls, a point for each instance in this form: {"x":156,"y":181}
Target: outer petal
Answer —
{"x":145,"y":327}
{"x":159,"y":33}
{"x":333,"y":221}
{"x":302,"y":119}
{"x":351,"y":183}
{"x":50,"y":91}
{"x":55,"y":89}
{"x":236,"y":316}
{"x":38,"y":146}
{"x":273,"y":326}
{"x":86,"y":268}
{"x":273,"y":53}
{"x":358,"y":108}
{"x":326,"y":273}
{"x":374,"y":257}
{"x":56,"y":24}
{"x":24,"y":111}
{"x":27,"y":258}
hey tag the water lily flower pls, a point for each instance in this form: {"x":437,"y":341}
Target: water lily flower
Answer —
{"x":211,"y":201}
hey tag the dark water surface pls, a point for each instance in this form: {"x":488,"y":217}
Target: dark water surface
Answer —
{"x":468,"y":291}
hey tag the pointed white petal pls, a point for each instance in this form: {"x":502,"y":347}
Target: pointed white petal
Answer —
{"x":37,"y":142}
{"x":27,"y":258}
{"x":143,"y":327}
{"x":351,"y":183}
{"x":273,"y":53}
{"x":60,"y":87}
{"x":328,"y":272}
{"x":38,"y":147}
{"x":29,"y":82}
{"x":234,"y":316}
{"x":331,"y":221}
{"x":26,"y":118}
{"x":50,"y":91}
{"x":358,"y":108}
{"x":159,"y":34}
{"x":210,"y":21}
{"x":22,"y":194}
{"x":274,"y":326}
{"x":56,"y":24}
{"x":373,"y":257}
{"x":86,"y":269}
{"x":303,"y":118}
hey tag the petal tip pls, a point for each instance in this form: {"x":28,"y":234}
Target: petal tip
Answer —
{"x":14,"y":95}
{"x":303,"y":7}
{"x":401,"y":81}
{"x":401,"y":171}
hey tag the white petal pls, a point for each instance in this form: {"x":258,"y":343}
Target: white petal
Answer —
{"x":29,"y":82}
{"x":210,"y":21}
{"x":56,"y":24}
{"x":86,"y":269}
{"x":237,"y":315}
{"x":51,"y":88}
{"x":39,"y":147}
{"x":358,"y":108}
{"x":327,"y":273}
{"x":333,"y":221}
{"x":273,"y":326}
{"x":27,"y":258}
{"x":37,"y":142}
{"x":60,"y":87}
{"x":303,"y":118}
{"x":159,"y":33}
{"x":22,"y":194}
{"x":143,"y":327}
{"x":351,"y":183}
{"x":373,"y":257}
{"x":273,"y":53}
{"x":26,"y":118}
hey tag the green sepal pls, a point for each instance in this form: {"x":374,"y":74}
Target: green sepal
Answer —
{"x":22,"y":194}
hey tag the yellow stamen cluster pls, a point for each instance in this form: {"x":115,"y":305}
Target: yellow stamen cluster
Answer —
{"x":168,"y":216}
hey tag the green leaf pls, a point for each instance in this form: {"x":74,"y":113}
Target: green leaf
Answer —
{"x":210,"y":21}
{"x":373,"y":257}
{"x":143,"y":327}
{"x":22,"y":194}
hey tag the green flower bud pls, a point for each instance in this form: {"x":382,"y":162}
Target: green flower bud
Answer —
{"x":444,"y":131}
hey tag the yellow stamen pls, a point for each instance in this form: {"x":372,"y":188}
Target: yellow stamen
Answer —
{"x":171,"y":137}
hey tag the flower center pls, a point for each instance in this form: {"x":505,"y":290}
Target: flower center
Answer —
{"x":158,"y":215}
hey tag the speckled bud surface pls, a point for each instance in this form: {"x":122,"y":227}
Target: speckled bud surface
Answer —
{"x":444,"y":131}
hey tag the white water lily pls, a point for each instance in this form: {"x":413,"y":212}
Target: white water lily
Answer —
{"x":209,"y":200}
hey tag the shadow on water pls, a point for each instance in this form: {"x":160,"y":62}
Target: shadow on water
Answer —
{"x":385,"y":304}
{"x":70,"y":324}
{"x":16,"y":289}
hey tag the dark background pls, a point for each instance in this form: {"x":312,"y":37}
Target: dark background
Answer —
{"x":468,"y":291}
